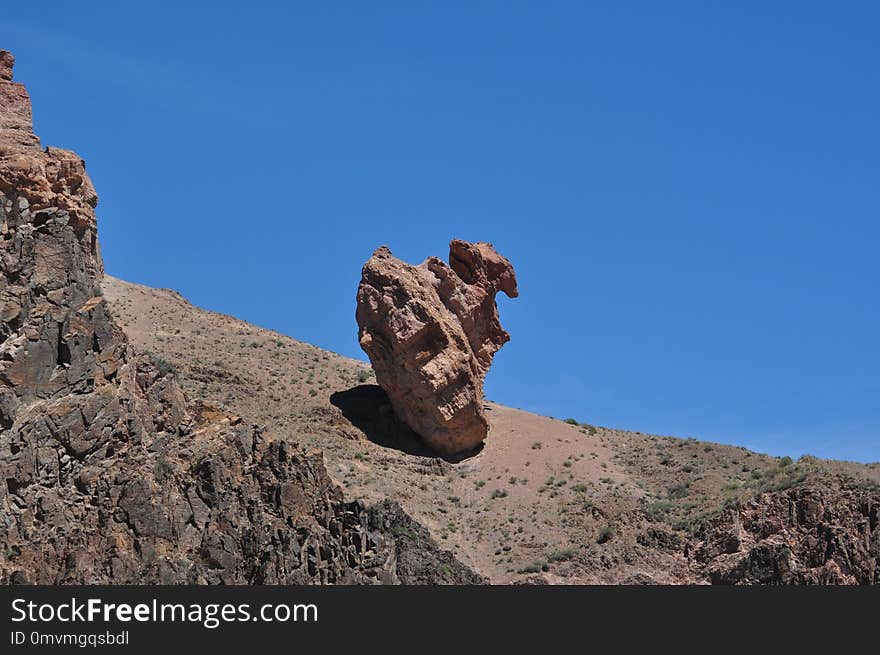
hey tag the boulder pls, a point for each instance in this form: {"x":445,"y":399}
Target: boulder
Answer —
{"x":431,"y":332}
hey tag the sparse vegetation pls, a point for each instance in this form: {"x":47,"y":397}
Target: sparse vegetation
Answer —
{"x":561,"y":555}
{"x":163,"y":366}
{"x":659,"y":510}
{"x":403,"y":531}
{"x":605,"y":535}
{"x":162,"y":469}
{"x":680,"y":491}
{"x":532,"y":568}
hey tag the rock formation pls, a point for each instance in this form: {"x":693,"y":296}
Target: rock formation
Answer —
{"x":110,"y":474}
{"x":822,"y":533}
{"x":431,"y":332}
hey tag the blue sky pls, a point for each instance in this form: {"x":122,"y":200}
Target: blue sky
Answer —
{"x":688,"y":190}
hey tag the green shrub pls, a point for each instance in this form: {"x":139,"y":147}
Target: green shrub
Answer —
{"x":561,"y":555}
{"x":402,"y":531}
{"x":659,"y":509}
{"x":532,"y":568}
{"x":732,"y":503}
{"x":680,"y":491}
{"x":786,"y":482}
{"x":162,"y":469}
{"x":605,"y":535}
{"x":163,"y":366}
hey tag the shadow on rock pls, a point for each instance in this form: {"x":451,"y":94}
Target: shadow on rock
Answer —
{"x":367,"y":408}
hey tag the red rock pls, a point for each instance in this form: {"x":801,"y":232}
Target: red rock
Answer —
{"x":15,"y":111}
{"x":7,"y":61}
{"x":431,"y":332}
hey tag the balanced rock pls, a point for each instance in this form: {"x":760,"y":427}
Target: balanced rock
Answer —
{"x":431,"y":332}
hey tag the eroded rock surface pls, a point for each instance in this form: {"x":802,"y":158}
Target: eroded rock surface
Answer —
{"x":431,"y":332}
{"x":110,"y":474}
{"x":822,"y":533}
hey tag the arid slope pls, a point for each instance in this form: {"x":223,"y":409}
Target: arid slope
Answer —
{"x":545,"y":500}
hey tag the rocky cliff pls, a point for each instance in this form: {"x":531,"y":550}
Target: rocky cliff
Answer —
{"x":431,"y":332}
{"x":826,"y":532}
{"x":110,"y":473}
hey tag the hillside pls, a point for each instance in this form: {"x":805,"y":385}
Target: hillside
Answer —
{"x":545,"y":499}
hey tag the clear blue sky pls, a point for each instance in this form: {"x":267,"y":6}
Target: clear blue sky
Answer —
{"x":688,"y":190}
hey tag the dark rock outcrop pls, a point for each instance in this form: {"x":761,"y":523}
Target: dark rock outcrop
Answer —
{"x":109,"y":473}
{"x":418,"y":559}
{"x":431,"y":332}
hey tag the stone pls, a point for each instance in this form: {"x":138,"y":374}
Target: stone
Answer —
{"x":431,"y":332}
{"x":15,"y":112}
{"x":7,"y":61}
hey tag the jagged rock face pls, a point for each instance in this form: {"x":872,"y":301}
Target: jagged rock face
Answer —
{"x":56,"y":338}
{"x":431,"y":332}
{"x":818,"y":534}
{"x":15,"y":111}
{"x":110,"y":474}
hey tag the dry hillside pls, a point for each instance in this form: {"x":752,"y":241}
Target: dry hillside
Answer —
{"x":545,"y":500}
